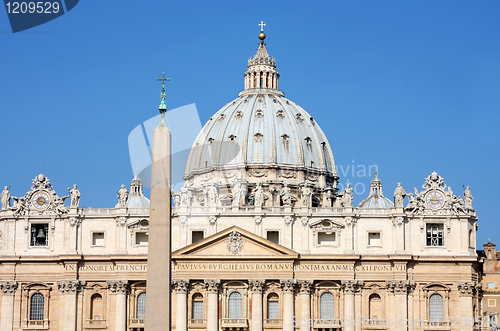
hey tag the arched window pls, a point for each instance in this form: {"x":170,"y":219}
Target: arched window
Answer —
{"x":96,"y":307}
{"x":197,"y":306}
{"x":436,"y":308}
{"x":36,"y":307}
{"x":375,"y":306}
{"x":235,"y":305}
{"x":326,"y":302}
{"x":471,"y":238}
{"x":273,"y":306}
{"x":141,"y":306}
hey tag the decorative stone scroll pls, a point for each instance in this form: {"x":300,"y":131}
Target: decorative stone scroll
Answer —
{"x":8,"y":287}
{"x":256,"y":285}
{"x":305,"y":286}
{"x":400,"y":286}
{"x":69,"y":286}
{"x":212,"y":285}
{"x":118,"y":286}
{"x":180,"y":285}
{"x":287,"y":285}
{"x":351,"y":286}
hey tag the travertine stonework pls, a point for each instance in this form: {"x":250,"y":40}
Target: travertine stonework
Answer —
{"x":262,"y":238}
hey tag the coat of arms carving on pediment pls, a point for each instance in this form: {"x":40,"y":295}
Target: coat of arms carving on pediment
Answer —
{"x":235,"y":242}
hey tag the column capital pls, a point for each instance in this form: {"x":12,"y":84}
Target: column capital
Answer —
{"x":467,"y":289}
{"x":212,"y":285}
{"x":351,"y":286}
{"x":287,"y":285}
{"x":402,"y":286}
{"x":305,"y":286}
{"x":180,"y":285}
{"x":69,"y":286}
{"x":118,"y":286}
{"x":8,"y":287}
{"x":256,"y":285}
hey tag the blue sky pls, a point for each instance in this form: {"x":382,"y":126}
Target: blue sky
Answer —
{"x":408,"y":86}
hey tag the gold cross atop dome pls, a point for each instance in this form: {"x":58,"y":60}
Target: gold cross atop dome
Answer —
{"x":262,"y":35}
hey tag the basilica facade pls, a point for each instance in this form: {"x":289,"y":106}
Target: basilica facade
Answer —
{"x":263,"y":239}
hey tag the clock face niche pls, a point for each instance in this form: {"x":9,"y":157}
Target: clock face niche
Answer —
{"x":40,"y":200}
{"x":434,"y":199}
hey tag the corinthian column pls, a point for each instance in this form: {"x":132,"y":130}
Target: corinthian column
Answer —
{"x":467,"y":290}
{"x":119,"y":289}
{"x":69,"y":289}
{"x":400,"y":288}
{"x":288,"y":299}
{"x":8,"y":294}
{"x":181,"y":287}
{"x":350,"y":287}
{"x":256,"y":288}
{"x":212,"y":304}
{"x":305,"y":303}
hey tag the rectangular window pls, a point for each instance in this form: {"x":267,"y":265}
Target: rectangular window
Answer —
{"x":39,"y":235}
{"x":98,"y":239}
{"x":326,"y":238}
{"x":197,"y":236}
{"x":492,"y":303}
{"x":273,"y":236}
{"x":198,"y":310}
{"x":374,"y":239}
{"x":273,"y":310}
{"x":141,"y":238}
{"x":435,"y":235}
{"x":491,"y":285}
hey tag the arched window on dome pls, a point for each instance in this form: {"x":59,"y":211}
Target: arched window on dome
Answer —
{"x":37,"y":304}
{"x":141,"y":306}
{"x":435,"y":308}
{"x":235,"y":304}
{"x":326,"y":303}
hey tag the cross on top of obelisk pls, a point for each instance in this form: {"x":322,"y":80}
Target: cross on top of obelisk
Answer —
{"x":163,"y":106}
{"x":262,"y":25}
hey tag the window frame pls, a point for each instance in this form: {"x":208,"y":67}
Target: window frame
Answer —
{"x":440,"y":228}
{"x":33,"y":233}
{"x":368,"y":232}
{"x":92,"y":238}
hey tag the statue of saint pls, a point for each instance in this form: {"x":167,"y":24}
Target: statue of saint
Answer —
{"x":75,"y":196}
{"x":5,"y":198}
{"x":213,"y":195}
{"x":348,"y":196}
{"x":259,"y":196}
{"x":239,"y":191}
{"x":122,"y":196}
{"x":467,"y":198}
{"x":306,"y":193}
{"x":286,"y":196}
{"x":399,"y":196}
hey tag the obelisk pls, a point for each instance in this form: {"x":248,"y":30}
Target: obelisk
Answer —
{"x":158,"y":300}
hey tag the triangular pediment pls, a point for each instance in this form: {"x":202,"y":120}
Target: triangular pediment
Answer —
{"x":235,"y":242}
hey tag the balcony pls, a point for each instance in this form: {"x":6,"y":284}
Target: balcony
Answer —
{"x":36,"y":324}
{"x":273,"y":323}
{"x":194,"y":323}
{"x":134,"y":323}
{"x":436,"y":325}
{"x":94,"y":324}
{"x":234,"y":323}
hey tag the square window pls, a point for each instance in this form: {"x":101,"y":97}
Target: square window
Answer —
{"x":141,"y":238}
{"x":273,"y":236}
{"x":491,"y":285}
{"x":326,"y":238}
{"x":434,"y":235}
{"x":98,"y":239}
{"x":492,"y":302}
{"x":374,"y":239}
{"x":197,"y":236}
{"x":39,"y":235}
